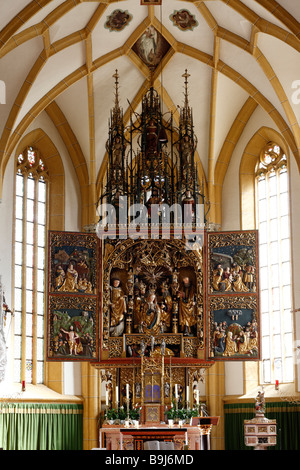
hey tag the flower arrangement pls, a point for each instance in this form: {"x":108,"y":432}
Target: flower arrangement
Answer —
{"x":181,"y":413}
{"x":120,"y":414}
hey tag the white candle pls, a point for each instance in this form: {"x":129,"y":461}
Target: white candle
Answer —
{"x":176,"y":391}
{"x":117,"y":394}
{"x":127,"y":390}
{"x":106,"y":397}
{"x":187,"y":394}
{"x":197,"y":397}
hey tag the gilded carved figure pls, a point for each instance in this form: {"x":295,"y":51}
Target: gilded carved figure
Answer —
{"x":187,"y":317}
{"x":217,"y":276}
{"x":151,"y":314}
{"x":118,"y":151}
{"x":186,"y":148}
{"x":117,"y":308}
{"x":188,"y":205}
{"x":70,"y":282}
{"x":167,"y":304}
{"x":74,"y":343}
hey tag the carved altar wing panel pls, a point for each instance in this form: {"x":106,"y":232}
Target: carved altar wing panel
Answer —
{"x":73,"y":297}
{"x":232,"y":296}
{"x":73,"y":263}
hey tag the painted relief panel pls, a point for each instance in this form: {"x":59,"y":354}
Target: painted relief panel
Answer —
{"x":73,"y":263}
{"x":72,"y":328}
{"x":232,"y":262}
{"x":73,"y":296}
{"x":232,"y":296}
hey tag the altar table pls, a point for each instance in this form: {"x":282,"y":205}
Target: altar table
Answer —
{"x":115,"y":437}
{"x":177,"y":435}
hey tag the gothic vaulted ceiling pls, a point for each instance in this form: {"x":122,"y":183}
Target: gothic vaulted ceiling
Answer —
{"x":58,"y":58}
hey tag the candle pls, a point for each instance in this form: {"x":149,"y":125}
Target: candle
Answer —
{"x":106,"y":393}
{"x":127,"y":390}
{"x":187,"y":394}
{"x":197,"y":397}
{"x":176,"y":391}
{"x":23,"y":386}
{"x":117,"y":394}
{"x":276,"y":384}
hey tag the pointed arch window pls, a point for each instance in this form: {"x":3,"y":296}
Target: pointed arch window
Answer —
{"x":273,"y":222}
{"x":29,"y":265}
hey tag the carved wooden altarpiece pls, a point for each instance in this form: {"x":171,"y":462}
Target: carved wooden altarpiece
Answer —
{"x":180,"y":301}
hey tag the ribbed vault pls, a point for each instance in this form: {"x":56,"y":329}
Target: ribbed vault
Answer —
{"x":58,"y":57}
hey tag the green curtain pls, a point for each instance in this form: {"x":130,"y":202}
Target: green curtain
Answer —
{"x":28,"y":426}
{"x":287,"y":416}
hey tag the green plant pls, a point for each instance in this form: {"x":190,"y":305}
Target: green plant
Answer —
{"x":192,"y":413}
{"x":171,"y":413}
{"x":111,"y":414}
{"x":181,"y":414}
{"x":122,"y":415}
{"x":134,"y":414}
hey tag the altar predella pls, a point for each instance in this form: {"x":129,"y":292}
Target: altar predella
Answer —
{"x":151,"y":292}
